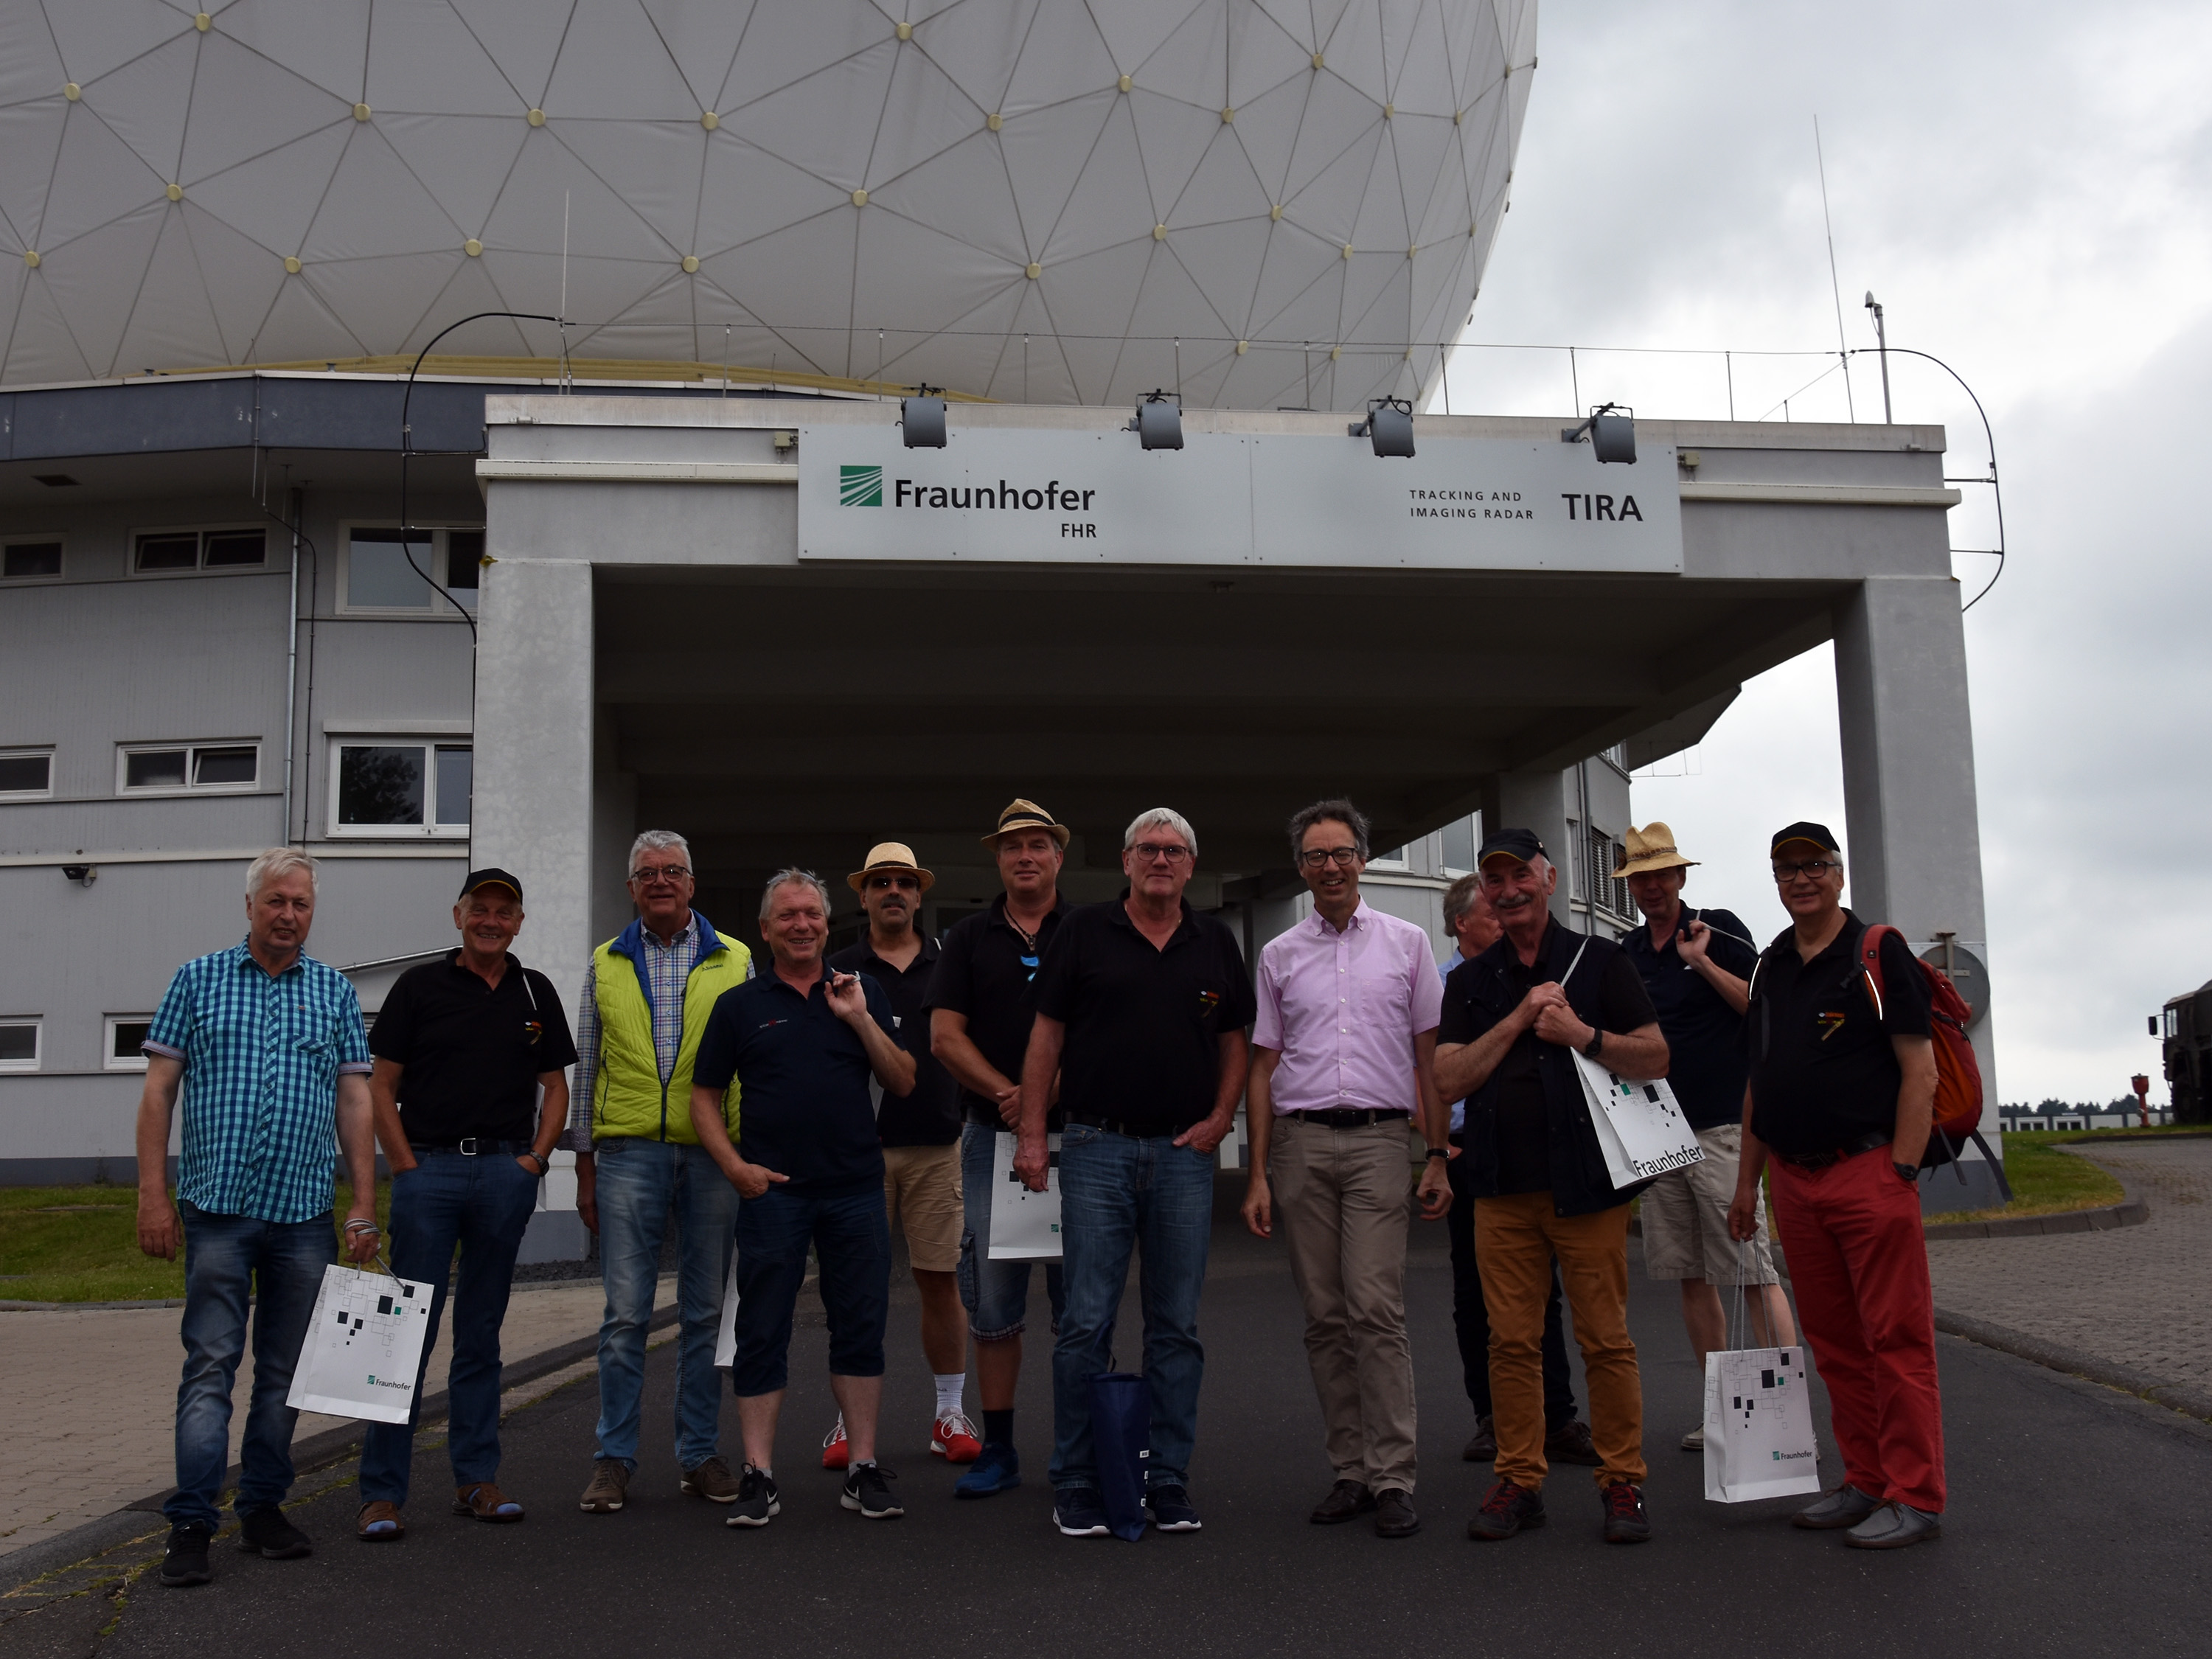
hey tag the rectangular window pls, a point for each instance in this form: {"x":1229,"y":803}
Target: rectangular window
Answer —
{"x":379,"y":575}
{"x":26,"y":774}
{"x":18,"y":1045}
{"x":126,"y":1032}
{"x":463,"y":566}
{"x":398,"y":786}
{"x":1460,"y":843}
{"x":189,"y":766}
{"x":29,"y":561}
{"x":201,"y":549}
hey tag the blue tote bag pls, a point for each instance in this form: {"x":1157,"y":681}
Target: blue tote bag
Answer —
{"x":1122,"y":1429}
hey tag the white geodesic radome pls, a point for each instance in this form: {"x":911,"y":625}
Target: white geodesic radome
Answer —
{"x":1302,"y":191}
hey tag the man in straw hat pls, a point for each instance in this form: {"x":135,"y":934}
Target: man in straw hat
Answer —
{"x":1696,"y":965}
{"x":980,"y":1012}
{"x":920,"y":1135}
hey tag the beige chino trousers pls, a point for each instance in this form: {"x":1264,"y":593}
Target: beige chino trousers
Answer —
{"x":1343,"y":1200}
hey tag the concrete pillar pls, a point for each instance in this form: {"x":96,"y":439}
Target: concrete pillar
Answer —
{"x":1912,"y":831}
{"x":532,"y":806}
{"x":1537,"y":801}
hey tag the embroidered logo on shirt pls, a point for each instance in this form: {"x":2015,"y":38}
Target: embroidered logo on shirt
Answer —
{"x":534,"y":1030}
{"x":1830,"y":1023}
{"x":1207,"y":1001}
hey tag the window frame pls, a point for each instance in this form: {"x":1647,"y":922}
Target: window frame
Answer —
{"x":37,"y":1061}
{"x":439,"y":608}
{"x":430,"y":743}
{"x":201,"y":567}
{"x":109,"y":1059}
{"x":30,"y":751}
{"x":33,"y":538}
{"x":125,"y":790}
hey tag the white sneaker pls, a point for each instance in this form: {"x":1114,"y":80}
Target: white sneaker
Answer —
{"x":1695,"y":1440}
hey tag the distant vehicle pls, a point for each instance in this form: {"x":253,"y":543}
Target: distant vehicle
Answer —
{"x":2183,"y":1028}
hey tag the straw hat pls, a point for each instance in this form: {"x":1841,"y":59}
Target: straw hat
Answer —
{"x":889,"y":856}
{"x":1651,"y":847}
{"x":1027,"y":815}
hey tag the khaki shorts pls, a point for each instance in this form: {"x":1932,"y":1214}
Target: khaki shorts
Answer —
{"x":1685,"y":1215}
{"x":921,"y":1193}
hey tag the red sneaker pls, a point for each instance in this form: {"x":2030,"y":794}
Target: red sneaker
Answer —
{"x":955,"y":1439}
{"x":834,"y":1454}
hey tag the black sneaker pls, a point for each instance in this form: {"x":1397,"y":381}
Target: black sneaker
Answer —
{"x":867,"y":1489}
{"x":1171,"y":1508}
{"x":1079,"y":1513}
{"x":1626,"y":1522}
{"x":186,"y":1560}
{"x":757,"y":1502}
{"x":267,"y":1534}
{"x":1508,"y":1509}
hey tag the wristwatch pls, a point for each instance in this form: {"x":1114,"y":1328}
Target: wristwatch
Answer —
{"x":1905,"y":1172}
{"x":541,"y":1163}
{"x":1440,"y":1152}
{"x":1596,"y":1042}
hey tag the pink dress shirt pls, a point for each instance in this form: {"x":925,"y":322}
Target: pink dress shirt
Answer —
{"x":1343,"y":1010}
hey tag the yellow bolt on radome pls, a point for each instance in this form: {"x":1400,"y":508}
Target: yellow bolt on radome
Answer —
{"x":537,"y":117}
{"x":472,"y":247}
{"x":690,"y":264}
{"x":291,"y":264}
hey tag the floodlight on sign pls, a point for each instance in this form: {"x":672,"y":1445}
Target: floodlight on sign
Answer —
{"x":922,"y":421}
{"x":1388,"y":427}
{"x":1158,"y":424}
{"x":1611,"y":429}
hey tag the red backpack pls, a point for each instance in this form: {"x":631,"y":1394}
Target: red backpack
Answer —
{"x":1958,"y":1111}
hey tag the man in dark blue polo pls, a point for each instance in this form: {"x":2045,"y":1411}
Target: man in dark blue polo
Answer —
{"x":471,"y":1090}
{"x":803,"y":1043}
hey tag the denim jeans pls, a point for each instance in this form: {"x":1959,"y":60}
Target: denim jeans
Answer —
{"x":281,"y":1263}
{"x":995,"y":1293}
{"x":1116,"y":1193}
{"x":641,"y":1183}
{"x":852,"y":1241}
{"x":483,"y":1205}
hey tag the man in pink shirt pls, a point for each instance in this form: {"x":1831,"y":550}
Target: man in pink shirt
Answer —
{"x":1343,"y":1066}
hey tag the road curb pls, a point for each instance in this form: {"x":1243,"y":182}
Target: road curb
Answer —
{"x":2058,"y":1357}
{"x":2132,"y":1213}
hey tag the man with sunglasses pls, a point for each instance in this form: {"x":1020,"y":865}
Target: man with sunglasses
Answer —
{"x":920,"y":1133}
{"x":647,"y":994}
{"x":1842,"y":1090}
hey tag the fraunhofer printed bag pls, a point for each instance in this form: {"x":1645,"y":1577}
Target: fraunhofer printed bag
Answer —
{"x":1759,"y":1419}
{"x":726,"y":1340}
{"x":1639,"y":1127}
{"x":364,"y":1347}
{"x":1024,"y":1225}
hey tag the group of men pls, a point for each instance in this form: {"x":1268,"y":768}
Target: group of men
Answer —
{"x":758,"y":1108}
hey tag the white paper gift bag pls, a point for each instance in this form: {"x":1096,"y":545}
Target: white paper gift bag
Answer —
{"x":1639,"y":1127}
{"x":1758,"y":1425}
{"x":364,"y":1346}
{"x":726,"y":1340}
{"x":1024,"y":1225}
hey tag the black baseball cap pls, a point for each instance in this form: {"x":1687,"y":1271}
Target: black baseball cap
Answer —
{"x":493,"y":876}
{"x":1819,"y":834}
{"x":1519,"y":844}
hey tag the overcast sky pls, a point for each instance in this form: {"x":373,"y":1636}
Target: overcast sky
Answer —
{"x":2027,"y":189}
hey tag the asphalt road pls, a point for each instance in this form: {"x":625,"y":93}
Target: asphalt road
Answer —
{"x":2074,"y":1528}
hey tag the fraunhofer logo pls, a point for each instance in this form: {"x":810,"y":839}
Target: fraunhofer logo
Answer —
{"x":860,"y":486}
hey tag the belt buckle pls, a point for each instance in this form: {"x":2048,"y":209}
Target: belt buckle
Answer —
{"x":467,"y":1147}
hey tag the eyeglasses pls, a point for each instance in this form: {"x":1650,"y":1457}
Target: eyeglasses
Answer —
{"x":1313,"y":858}
{"x":904,"y":884}
{"x":1816,"y":868}
{"x":1145,"y":853}
{"x":650,"y":873}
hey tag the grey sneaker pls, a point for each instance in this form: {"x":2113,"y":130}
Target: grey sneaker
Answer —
{"x":1894,"y":1527}
{"x":1847,"y":1506}
{"x":711,"y":1481}
{"x":610,"y":1486}
{"x":1695,"y":1440}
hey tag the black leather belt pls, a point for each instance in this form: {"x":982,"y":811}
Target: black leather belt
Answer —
{"x":1351,"y":1117}
{"x":1812,"y":1161}
{"x":1121,"y":1125}
{"x":472,"y":1147}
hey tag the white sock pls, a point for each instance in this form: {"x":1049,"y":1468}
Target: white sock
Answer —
{"x":950,"y":1386}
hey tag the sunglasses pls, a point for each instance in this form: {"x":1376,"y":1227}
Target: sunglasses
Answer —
{"x":904,"y":884}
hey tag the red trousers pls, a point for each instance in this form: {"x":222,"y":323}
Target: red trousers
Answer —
{"x":1858,"y":1263}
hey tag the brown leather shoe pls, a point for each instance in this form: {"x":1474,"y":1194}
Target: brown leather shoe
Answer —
{"x":485,"y":1502}
{"x":380,"y":1523}
{"x":1345,"y":1499}
{"x":1483,"y":1448}
{"x":1570,"y":1443}
{"x":710,"y":1479}
{"x":610,"y":1486}
{"x":1395,"y":1516}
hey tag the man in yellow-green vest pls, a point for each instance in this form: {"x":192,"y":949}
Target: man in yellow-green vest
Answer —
{"x":639,"y":1164}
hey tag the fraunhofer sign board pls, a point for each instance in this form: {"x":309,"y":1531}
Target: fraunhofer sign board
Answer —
{"x":995,"y":494}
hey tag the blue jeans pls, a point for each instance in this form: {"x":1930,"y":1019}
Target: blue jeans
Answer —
{"x":640,"y":1184}
{"x":1116,"y":1193}
{"x":995,"y":1293}
{"x":852,"y":1241}
{"x":281,"y":1263}
{"x":483,"y":1205}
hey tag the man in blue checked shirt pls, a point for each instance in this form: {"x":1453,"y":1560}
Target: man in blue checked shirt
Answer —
{"x":268,"y":1045}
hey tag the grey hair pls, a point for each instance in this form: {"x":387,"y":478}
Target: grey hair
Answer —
{"x":651,"y":841}
{"x":280,"y":861}
{"x":1160,"y":817}
{"x":1335,"y":811}
{"x":788,"y":876}
{"x":1461,"y":897}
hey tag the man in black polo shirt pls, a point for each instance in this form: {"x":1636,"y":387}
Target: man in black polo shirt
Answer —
{"x":1696,"y":966}
{"x":1540,"y":1181}
{"x":978,"y":1025}
{"x":470,"y":1094}
{"x":803,"y":1043}
{"x":921,"y":1136}
{"x":1141,"y":1007}
{"x":1843,"y":1086}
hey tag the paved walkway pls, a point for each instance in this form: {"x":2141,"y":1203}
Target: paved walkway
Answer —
{"x":86,"y":1394}
{"x":2137,"y":1296}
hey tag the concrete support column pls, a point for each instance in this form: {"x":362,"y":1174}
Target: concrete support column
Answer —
{"x":1537,"y":801}
{"x":533,"y":794}
{"x":1912,"y":829}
